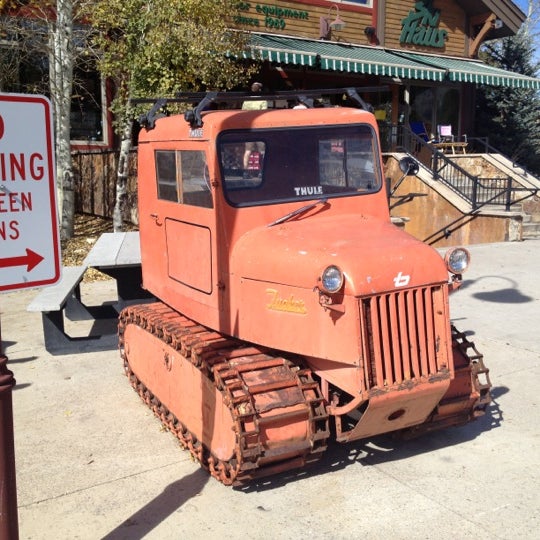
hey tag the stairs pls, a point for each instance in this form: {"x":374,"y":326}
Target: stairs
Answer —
{"x":530,"y":208}
{"x":484,"y":184}
{"x":531,"y":218}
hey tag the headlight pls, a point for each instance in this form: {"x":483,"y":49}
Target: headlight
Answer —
{"x":457,"y":260}
{"x":332,"y":279}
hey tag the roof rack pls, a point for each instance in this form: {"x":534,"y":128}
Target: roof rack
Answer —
{"x":201,"y":101}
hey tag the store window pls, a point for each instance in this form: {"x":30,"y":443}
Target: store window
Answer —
{"x":382,"y":105}
{"x":87,"y":110}
{"x":435,"y":106}
{"x":422,"y":101}
{"x":366,"y":3}
{"x":448,"y":107}
{"x":87,"y":115}
{"x":24,"y":68}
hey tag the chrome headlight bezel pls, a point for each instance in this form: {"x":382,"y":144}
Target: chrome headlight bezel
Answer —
{"x":332,"y":279}
{"x":457,"y":260}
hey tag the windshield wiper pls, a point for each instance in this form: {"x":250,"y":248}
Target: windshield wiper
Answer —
{"x":297,"y":212}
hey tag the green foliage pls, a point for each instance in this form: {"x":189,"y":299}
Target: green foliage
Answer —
{"x":155,"y":48}
{"x":510,"y":116}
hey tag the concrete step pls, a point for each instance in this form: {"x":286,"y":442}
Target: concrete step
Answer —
{"x":531,"y":229}
{"x":531,"y":218}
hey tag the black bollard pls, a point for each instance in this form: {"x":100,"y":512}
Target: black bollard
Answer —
{"x":9,"y":527}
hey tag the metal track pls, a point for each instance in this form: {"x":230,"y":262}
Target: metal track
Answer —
{"x":478,"y":370}
{"x":467,"y":405}
{"x":249,"y":379}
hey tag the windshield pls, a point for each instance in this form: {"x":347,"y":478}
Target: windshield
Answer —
{"x":277,"y":165}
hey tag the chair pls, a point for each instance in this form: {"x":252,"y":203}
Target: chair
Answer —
{"x":444,"y":133}
{"x":447,"y":142}
{"x":418,"y":128}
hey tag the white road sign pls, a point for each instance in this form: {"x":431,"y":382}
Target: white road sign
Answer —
{"x":29,"y":239}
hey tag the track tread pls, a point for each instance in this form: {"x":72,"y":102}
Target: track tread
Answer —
{"x":228,"y":362}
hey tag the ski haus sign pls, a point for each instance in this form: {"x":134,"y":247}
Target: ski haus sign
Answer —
{"x":420,"y":27}
{"x":29,"y":239}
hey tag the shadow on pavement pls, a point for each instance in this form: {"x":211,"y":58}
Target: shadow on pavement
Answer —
{"x":386,"y":448}
{"x":13,"y":361}
{"x":508,"y":294}
{"x":157,"y":510}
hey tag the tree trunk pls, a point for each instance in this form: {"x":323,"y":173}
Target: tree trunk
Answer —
{"x":61,"y":82}
{"x":122,"y":174}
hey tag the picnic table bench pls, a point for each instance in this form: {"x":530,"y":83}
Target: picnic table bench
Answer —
{"x":117,"y":255}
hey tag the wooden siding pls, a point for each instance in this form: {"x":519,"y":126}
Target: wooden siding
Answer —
{"x":95,"y":184}
{"x":302,"y":19}
{"x":260,"y":17}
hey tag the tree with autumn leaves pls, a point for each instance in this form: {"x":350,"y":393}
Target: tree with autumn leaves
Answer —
{"x":53,"y":30}
{"x":156,"y":48}
{"x":147,"y":48}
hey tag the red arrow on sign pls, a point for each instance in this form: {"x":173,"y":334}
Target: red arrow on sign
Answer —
{"x":31,"y":260}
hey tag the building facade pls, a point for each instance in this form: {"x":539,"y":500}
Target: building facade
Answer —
{"x":26,"y":57}
{"x":419,"y":59}
{"x":414,"y":60}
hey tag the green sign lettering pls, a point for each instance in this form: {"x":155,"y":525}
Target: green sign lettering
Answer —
{"x":420,"y":26}
{"x":273,"y":16}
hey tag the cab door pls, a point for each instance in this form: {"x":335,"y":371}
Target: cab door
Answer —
{"x":177,"y":227}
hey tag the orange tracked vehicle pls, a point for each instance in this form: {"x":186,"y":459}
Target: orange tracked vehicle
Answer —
{"x":288,"y":303}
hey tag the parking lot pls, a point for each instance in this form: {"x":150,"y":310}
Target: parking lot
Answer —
{"x":93,"y":462}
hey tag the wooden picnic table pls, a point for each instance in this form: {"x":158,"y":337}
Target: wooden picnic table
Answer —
{"x":119,"y":256}
{"x":451,"y":147}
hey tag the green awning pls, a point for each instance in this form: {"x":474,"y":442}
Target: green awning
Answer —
{"x":370,"y":60}
{"x":473,"y":71}
{"x":333,"y":56}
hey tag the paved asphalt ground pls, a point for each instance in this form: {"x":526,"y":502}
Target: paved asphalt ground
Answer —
{"x":92,"y":462}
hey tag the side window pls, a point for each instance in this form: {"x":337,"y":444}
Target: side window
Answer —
{"x":182,"y":176}
{"x":166,"y":176}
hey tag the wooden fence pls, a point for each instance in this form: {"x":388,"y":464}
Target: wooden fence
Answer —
{"x":95,"y":183}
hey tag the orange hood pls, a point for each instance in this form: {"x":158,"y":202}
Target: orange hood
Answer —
{"x":374,"y":255}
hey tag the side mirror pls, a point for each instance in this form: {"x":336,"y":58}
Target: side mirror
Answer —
{"x":409,"y":166}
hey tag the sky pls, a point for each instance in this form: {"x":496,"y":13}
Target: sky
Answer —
{"x":523,"y":6}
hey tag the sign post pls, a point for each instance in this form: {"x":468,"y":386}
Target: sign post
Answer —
{"x":29,"y":246}
{"x":9,"y":527}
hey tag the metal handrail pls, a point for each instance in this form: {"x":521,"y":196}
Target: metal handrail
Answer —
{"x":487,"y":148}
{"x":477,"y":191}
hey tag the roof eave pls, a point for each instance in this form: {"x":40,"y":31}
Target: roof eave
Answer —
{"x":507,"y":11}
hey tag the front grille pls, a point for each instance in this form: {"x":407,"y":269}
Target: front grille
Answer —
{"x":405,"y":334}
